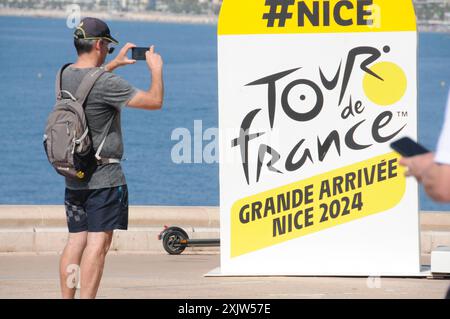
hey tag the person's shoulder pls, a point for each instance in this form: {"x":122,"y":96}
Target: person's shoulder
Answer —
{"x":112,"y":81}
{"x":110,"y":78}
{"x":107,"y":76}
{"x":71,"y":73}
{"x":67,"y":71}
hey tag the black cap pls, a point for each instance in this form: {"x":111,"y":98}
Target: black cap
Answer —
{"x":93,"y":29}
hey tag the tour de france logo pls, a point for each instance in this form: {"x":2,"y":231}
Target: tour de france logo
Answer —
{"x":362,"y":100}
{"x":384,"y":84}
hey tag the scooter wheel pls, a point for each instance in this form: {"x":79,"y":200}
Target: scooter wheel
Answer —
{"x":171,"y":238}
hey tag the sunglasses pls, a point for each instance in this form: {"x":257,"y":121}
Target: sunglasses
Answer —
{"x":110,"y":49}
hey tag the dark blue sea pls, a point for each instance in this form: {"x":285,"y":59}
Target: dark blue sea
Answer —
{"x":32,"y":50}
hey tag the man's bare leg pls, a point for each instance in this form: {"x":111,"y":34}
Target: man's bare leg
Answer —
{"x":70,"y":262}
{"x":93,"y":261}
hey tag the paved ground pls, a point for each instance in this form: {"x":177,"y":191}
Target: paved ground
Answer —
{"x":163,"y":276}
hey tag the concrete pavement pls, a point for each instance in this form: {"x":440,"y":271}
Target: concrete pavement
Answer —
{"x":31,"y":237}
{"x":173,"y":277}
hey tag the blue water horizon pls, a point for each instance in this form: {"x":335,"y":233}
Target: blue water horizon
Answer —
{"x":32,"y":50}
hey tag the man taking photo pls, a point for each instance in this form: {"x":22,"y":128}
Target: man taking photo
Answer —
{"x":97,"y":207}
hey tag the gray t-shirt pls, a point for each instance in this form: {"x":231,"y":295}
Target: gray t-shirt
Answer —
{"x":106,"y":99}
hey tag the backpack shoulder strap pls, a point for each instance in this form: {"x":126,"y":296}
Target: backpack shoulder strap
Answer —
{"x":59,"y":80}
{"x":104,"y":136}
{"x":82,"y":93}
{"x":87,"y":84}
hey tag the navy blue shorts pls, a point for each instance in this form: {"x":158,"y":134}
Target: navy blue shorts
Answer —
{"x":97,"y":210}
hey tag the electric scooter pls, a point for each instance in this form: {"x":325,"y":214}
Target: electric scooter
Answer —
{"x":175,"y":240}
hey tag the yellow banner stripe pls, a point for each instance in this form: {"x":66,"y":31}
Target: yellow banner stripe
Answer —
{"x":315,"y":204}
{"x":256,"y":16}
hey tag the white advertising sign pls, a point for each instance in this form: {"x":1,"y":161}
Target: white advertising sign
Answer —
{"x":311,"y":94}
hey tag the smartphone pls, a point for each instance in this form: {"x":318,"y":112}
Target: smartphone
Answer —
{"x":406,"y":147}
{"x":138,"y":53}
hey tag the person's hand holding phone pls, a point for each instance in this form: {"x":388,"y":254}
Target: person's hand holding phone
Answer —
{"x":122,"y":58}
{"x":154,"y":97}
{"x":417,"y":165}
{"x":154,"y":60}
{"x":416,"y":158}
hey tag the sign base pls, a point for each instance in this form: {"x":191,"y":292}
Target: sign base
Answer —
{"x":425,"y":272}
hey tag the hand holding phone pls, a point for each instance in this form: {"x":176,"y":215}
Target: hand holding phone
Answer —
{"x":154,"y":61}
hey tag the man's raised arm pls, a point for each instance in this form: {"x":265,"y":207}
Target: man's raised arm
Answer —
{"x":153,"y":98}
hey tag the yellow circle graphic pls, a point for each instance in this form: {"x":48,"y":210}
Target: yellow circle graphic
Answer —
{"x":388,"y":91}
